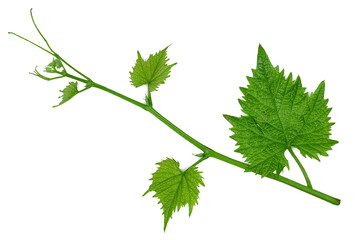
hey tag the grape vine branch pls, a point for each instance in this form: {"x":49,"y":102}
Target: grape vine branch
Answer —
{"x":148,"y":106}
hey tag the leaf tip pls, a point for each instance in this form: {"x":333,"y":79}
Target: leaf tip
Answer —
{"x":261,"y":50}
{"x":139,"y":55}
{"x":166,"y":48}
{"x":190,"y":210}
{"x":146,"y":192}
{"x":227,"y":117}
{"x":322,"y":84}
{"x":320,"y":89}
{"x":263,"y":60}
{"x":166,"y":220}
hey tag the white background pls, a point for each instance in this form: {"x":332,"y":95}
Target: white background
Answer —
{"x":79,"y":171}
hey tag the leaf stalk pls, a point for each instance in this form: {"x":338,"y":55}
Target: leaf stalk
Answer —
{"x":204,"y":157}
{"x":308,"y":181}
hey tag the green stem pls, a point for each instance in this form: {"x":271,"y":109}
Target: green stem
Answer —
{"x":301,"y":167}
{"x":75,"y":70}
{"x":148,"y":108}
{"x":279,"y":178}
{"x":75,"y":78}
{"x":128,"y":99}
{"x":99,"y":86}
{"x":209,"y":152}
{"x":179,"y":131}
{"x":240,"y":164}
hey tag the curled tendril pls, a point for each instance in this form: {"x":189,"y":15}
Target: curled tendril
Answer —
{"x":36,"y":73}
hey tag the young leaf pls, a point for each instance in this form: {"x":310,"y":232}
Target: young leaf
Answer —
{"x":68,"y":92}
{"x":280,"y":115}
{"x":54,"y":66}
{"x":175,"y":188}
{"x":153,"y":71}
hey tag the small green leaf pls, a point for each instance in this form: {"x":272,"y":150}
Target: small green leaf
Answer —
{"x":68,"y":92}
{"x":175,"y":188}
{"x":280,"y":115}
{"x":153,"y":71}
{"x":54,"y":66}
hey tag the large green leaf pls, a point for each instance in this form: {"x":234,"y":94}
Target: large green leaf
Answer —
{"x":279,"y":115}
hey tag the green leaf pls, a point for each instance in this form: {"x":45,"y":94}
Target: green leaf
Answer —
{"x":54,"y":66}
{"x":153,"y":71}
{"x":68,"y":92}
{"x":280,"y":115}
{"x":175,"y":188}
